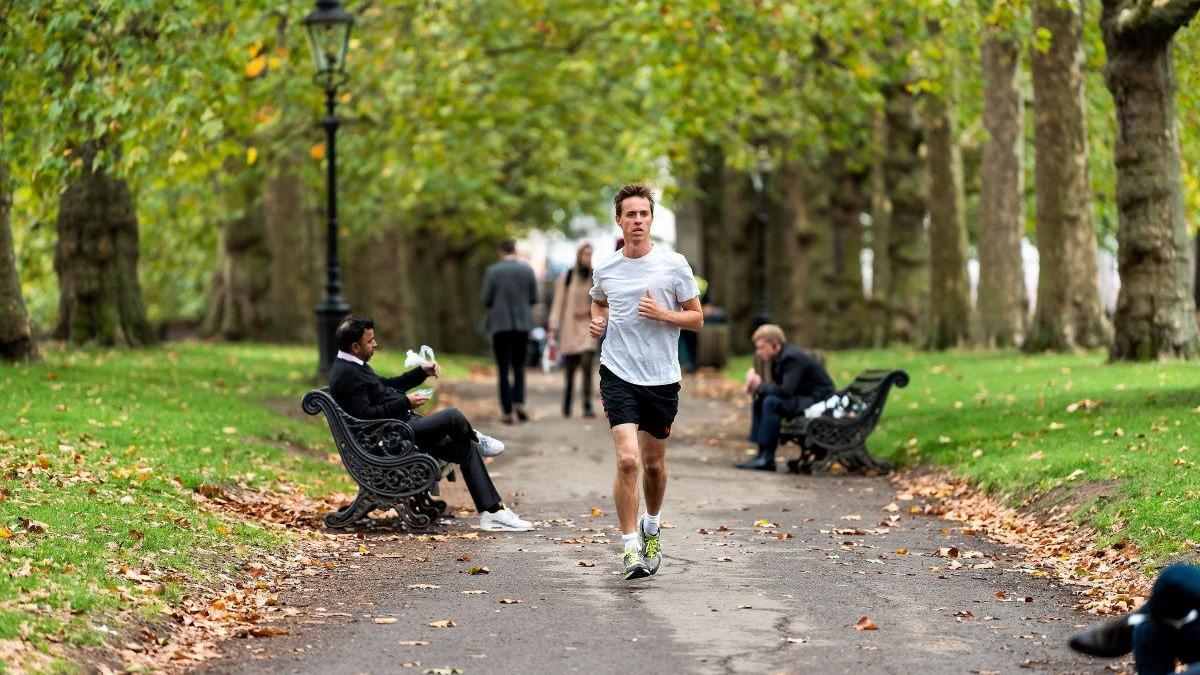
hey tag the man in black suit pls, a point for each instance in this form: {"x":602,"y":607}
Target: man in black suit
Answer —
{"x":797,"y":381}
{"x":445,"y":434}
{"x":509,"y":293}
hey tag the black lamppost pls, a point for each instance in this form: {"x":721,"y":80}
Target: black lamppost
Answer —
{"x":760,"y":176}
{"x":328,"y":28}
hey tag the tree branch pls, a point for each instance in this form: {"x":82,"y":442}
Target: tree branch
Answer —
{"x":1131,"y":18}
{"x":1172,"y":15}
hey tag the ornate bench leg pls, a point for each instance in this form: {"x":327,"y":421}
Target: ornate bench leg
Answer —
{"x":412,"y":513}
{"x":351,"y":513}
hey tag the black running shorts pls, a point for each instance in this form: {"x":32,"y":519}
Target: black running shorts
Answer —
{"x":653,"y":409}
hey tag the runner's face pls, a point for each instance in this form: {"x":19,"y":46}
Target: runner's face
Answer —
{"x":635,"y":219}
{"x":365,"y":347}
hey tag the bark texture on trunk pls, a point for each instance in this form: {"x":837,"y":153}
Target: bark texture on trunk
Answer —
{"x":1068,"y":313}
{"x":1003,"y":300}
{"x":949,"y":290}
{"x":730,"y":253}
{"x":881,"y":218}
{"x":380,"y":280}
{"x":1155,"y":316}
{"x":847,"y":323}
{"x":100,"y":298}
{"x":798,"y":237}
{"x":239,"y":301}
{"x":16,"y":334}
{"x":294,"y":239}
{"x":908,"y":243}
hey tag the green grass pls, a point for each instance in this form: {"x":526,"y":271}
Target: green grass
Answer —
{"x":106,"y":448}
{"x":1129,"y":465}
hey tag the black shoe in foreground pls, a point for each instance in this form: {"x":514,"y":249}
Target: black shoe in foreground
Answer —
{"x":759,"y":463}
{"x":1107,"y":640}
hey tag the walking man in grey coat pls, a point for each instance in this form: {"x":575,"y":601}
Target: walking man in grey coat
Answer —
{"x":509,"y":292}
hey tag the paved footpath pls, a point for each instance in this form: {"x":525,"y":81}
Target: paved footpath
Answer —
{"x":731,"y":597}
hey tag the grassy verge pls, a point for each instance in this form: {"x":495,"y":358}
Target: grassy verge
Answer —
{"x":1120,"y":442}
{"x":102,"y":451}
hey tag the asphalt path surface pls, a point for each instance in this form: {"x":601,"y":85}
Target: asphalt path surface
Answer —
{"x":762,"y":573}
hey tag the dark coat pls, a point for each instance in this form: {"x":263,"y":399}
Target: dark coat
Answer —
{"x":798,"y":379}
{"x":365,"y":395}
{"x":509,"y":292}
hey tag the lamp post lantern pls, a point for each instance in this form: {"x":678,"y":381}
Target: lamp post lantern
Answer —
{"x":328,"y":27}
{"x":760,"y":177}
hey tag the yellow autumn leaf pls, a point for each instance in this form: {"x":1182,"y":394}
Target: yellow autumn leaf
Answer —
{"x":317,"y":151}
{"x":251,"y":156}
{"x":5,"y":533}
{"x":256,"y":66}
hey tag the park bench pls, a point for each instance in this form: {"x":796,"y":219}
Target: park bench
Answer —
{"x":827,"y":439}
{"x":382,"y":457}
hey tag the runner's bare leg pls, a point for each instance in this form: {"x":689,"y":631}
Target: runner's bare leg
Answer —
{"x":625,"y":486}
{"x":654,"y":471}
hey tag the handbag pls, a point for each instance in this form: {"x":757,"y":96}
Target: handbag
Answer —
{"x":551,"y":357}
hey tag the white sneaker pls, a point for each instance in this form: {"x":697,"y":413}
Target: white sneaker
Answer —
{"x":488,"y":446}
{"x":503,"y":520}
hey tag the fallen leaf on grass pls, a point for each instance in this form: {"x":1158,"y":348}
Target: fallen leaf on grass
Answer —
{"x":509,"y":601}
{"x":423,"y":586}
{"x":443,"y":623}
{"x":35,"y":526}
{"x":476,"y":569}
{"x":413,"y":643}
{"x":865,"y":623}
{"x":385,"y":619}
{"x":6,"y":533}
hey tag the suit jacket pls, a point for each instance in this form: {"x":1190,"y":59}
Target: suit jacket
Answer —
{"x":509,"y":292}
{"x":365,"y":395}
{"x":798,"y":379}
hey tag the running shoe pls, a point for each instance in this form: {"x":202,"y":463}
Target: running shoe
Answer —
{"x":651,"y":547}
{"x":635,"y":566}
{"x":488,"y":446}
{"x":503,"y":520}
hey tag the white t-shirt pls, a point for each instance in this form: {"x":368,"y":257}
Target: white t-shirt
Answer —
{"x":636,"y":349}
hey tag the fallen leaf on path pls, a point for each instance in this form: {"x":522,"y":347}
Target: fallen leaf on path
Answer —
{"x":587,"y":563}
{"x":443,"y":623}
{"x":853,"y":516}
{"x":423,"y":586}
{"x":794,"y":640}
{"x":901,"y":551}
{"x":764,"y":523}
{"x":474,"y":592}
{"x":745,"y":607}
{"x":722,"y":528}
{"x":442,"y":671}
{"x":891,"y":508}
{"x":475,"y":569}
{"x":267,"y":631}
{"x":385,"y":619}
{"x":947,"y":552}
{"x":725,"y":559}
{"x":1001,"y":595}
{"x":701,"y":531}
{"x":865,"y":623}
{"x":509,"y":601}
{"x":413,"y":643}
{"x":597,"y":512}
{"x":464,"y":558}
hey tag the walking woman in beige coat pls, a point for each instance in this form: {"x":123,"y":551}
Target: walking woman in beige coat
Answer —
{"x":568,"y":325}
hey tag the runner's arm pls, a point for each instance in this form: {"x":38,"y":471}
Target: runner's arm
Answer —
{"x":691,"y":316}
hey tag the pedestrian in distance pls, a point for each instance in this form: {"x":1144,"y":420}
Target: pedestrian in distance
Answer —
{"x":570,"y":314}
{"x":509,"y":293}
{"x":641,"y":298}
{"x":445,"y":434}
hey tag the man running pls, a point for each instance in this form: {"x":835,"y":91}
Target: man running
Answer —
{"x":641,"y":297}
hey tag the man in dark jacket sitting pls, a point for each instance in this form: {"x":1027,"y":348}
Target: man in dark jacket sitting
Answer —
{"x":797,"y":381}
{"x":445,"y":434}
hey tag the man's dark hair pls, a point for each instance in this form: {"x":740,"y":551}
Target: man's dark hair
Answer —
{"x":508,"y":247}
{"x":633,"y":190}
{"x":351,"y":330}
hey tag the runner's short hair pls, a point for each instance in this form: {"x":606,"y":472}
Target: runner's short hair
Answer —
{"x":769,"y":332}
{"x":351,"y":330}
{"x":633,"y":190}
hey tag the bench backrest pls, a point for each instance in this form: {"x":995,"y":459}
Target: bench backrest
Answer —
{"x":869,"y":391}
{"x":379,"y":454}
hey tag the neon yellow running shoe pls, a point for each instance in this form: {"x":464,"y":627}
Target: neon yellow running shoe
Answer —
{"x":635,"y":566}
{"x":650,"y":545}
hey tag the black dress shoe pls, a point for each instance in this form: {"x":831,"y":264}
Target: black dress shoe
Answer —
{"x":521,"y":414}
{"x":760,"y":463}
{"x":587,"y":412}
{"x":1107,"y":640}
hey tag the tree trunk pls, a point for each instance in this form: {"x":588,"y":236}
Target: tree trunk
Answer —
{"x":848,"y":201}
{"x":16,"y":335}
{"x":796,"y":318}
{"x":1003,"y":300}
{"x":1155,"y":316}
{"x":950,"y":292}
{"x":379,"y":279}
{"x":100,"y":299}
{"x":1068,"y":313}
{"x":736,"y":257}
{"x":239,"y":302}
{"x":908,"y":244}
{"x":294,"y":236}
{"x":881,"y":218}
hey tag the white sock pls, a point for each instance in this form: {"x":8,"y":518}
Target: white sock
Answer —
{"x":631,"y":541}
{"x":653,"y":522}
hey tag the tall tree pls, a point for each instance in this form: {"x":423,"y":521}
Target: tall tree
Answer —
{"x":949,"y":291}
{"x":16,"y":336}
{"x":1068,"y":313}
{"x":847,"y":202}
{"x":908,"y":241}
{"x":238,"y":306}
{"x":1155,"y":309}
{"x":1003,"y":299}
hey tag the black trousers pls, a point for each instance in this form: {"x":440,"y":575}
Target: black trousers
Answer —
{"x":586,"y":363}
{"x":446,"y":434}
{"x":509,"y":348}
